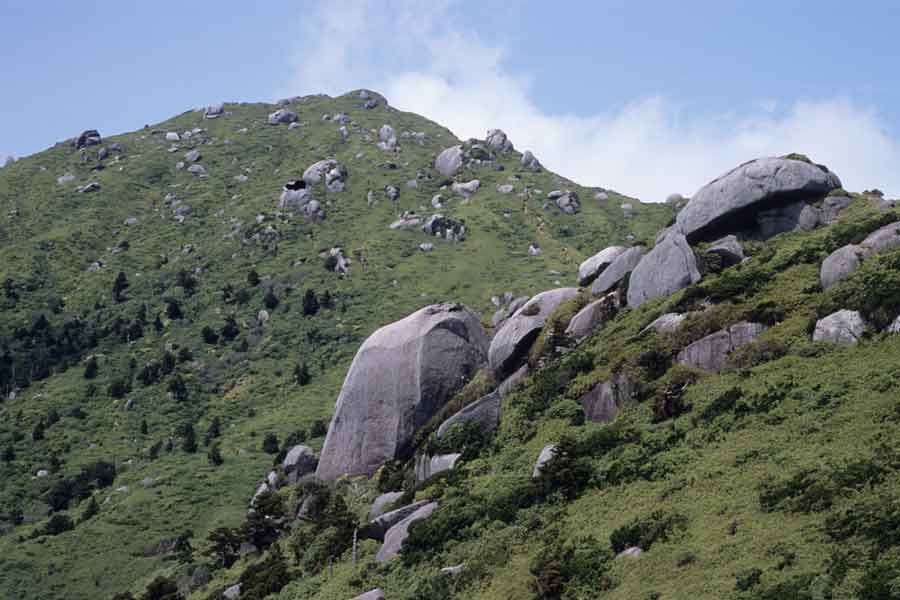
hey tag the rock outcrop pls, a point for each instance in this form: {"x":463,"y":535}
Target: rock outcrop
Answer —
{"x":621,"y":266}
{"x":396,"y":535}
{"x":841,"y":263}
{"x":732,"y":202}
{"x":665,"y":323}
{"x":543,"y":458}
{"x":512,"y":342}
{"x":299,"y":462}
{"x":382,"y":502}
{"x":429,"y":466}
{"x":843,"y":327}
{"x":602,"y":403}
{"x":592,"y":316}
{"x":593,"y":266}
{"x":378,"y":527}
{"x":449,"y":161}
{"x":485,"y":412}
{"x":377,"y":593}
{"x":669,"y":267}
{"x":498,"y":141}
{"x":282,"y":115}
{"x":709,"y":353}
{"x":401,"y":376}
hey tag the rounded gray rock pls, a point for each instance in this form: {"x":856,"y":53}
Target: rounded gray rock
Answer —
{"x":842,"y":327}
{"x":402,"y":375}
{"x":449,"y":161}
{"x":593,"y":266}
{"x":840,"y":264}
{"x":621,"y":266}
{"x":754,"y":185}
{"x":669,"y":267}
{"x":512,"y":342}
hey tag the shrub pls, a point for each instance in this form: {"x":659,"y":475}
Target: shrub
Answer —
{"x":747,"y":579}
{"x":57,"y":524}
{"x":755,"y":353}
{"x":643,"y":532}
{"x":209,"y":335}
{"x":270,"y":443}
{"x":569,"y":410}
{"x":427,"y":537}
{"x":265,"y":578}
{"x":91,"y":368}
{"x":668,"y":399}
{"x":119,"y":387}
{"x":575,"y":568}
{"x":567,"y":472}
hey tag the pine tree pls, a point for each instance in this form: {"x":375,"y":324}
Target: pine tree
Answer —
{"x":270,"y":300}
{"x":189,"y":439}
{"x":270,"y":443}
{"x":144,"y":428}
{"x":209,"y":335}
{"x":119,"y":286}
{"x":177,"y":388}
{"x":91,"y":368}
{"x":230,"y":329}
{"x":301,"y":374}
{"x":253,"y":278}
{"x":157,"y":324}
{"x":214,"y":431}
{"x":173,"y":309}
{"x":215,"y":455}
{"x":310,"y":303}
{"x":37,"y":433}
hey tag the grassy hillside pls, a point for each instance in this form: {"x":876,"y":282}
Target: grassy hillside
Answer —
{"x":101,"y":380}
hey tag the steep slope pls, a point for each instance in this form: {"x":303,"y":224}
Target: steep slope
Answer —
{"x":102,"y":374}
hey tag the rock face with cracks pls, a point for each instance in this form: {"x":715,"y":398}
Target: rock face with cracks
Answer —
{"x":401,"y":376}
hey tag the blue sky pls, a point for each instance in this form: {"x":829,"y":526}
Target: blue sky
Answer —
{"x":646,"y":98}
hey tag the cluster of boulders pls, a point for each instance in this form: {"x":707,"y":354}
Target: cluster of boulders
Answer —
{"x":841,"y":263}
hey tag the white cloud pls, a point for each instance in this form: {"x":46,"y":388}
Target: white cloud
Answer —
{"x":424,"y":61}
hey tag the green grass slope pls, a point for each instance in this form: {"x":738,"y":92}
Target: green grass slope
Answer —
{"x":57,"y":314}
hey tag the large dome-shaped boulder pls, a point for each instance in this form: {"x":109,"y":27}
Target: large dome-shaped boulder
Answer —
{"x":669,"y":267}
{"x":512,"y":342}
{"x":449,"y":161}
{"x":402,"y":375}
{"x":721,"y":206}
{"x":593,"y":266}
{"x":623,"y":264}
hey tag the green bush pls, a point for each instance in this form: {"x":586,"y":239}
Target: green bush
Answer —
{"x":643,"y":532}
{"x":575,"y":568}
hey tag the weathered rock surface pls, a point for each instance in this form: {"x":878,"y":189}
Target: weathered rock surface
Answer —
{"x":467,"y":189}
{"x":394,"y":538}
{"x":498,"y":141}
{"x":331,"y":171}
{"x":485,"y":412}
{"x":722,"y":206}
{"x":429,"y":466}
{"x":543,"y":458}
{"x":530,"y":162}
{"x":377,"y":593}
{"x":592,"y":316}
{"x":669,"y":267}
{"x":665,"y":323}
{"x":378,"y":527}
{"x":282,"y":115}
{"x":709,"y":353}
{"x":593,"y":266}
{"x":512,"y":342}
{"x":299,"y":461}
{"x":621,"y":266}
{"x":728,"y":249}
{"x":213,"y":111}
{"x":513,"y":381}
{"x":382,"y":502}
{"x":601,"y":404}
{"x":401,"y":376}
{"x":842,"y":327}
{"x":840,"y":264}
{"x":449,"y":161}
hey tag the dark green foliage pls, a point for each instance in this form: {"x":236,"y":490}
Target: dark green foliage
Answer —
{"x":301,"y":374}
{"x":310,"y":303}
{"x":173,"y":309}
{"x":230,"y":330}
{"x":569,"y":410}
{"x":668,"y":399}
{"x":643,"y":532}
{"x":327,"y":531}
{"x":253,"y":278}
{"x":270,"y":443}
{"x":215,"y":455}
{"x":188,"y":438}
{"x":450,"y":522}
{"x":91,"y":368}
{"x":209,"y":335}
{"x":119,"y":286}
{"x":746,"y":580}
{"x":37,"y":434}
{"x":224,"y":546}
{"x":177,"y":388}
{"x":162,"y":588}
{"x":873,"y":519}
{"x":186,"y":282}
{"x":571,"y":568}
{"x":567,"y":473}
{"x":56,"y":525}
{"x":119,"y":387}
{"x":754,"y":354}
{"x":468,"y":437}
{"x":144,"y":427}
{"x":90,"y":510}
{"x":265,"y":578}
{"x":213,"y":431}
{"x":183,"y":550}
{"x":318,"y":429}
{"x":874,"y":290}
{"x":9,"y":453}
{"x":270,"y":300}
